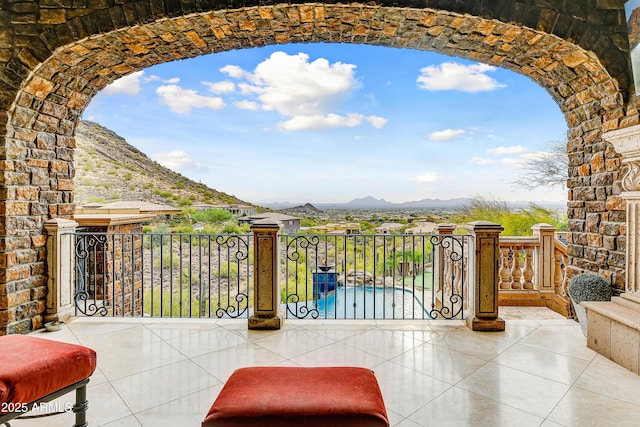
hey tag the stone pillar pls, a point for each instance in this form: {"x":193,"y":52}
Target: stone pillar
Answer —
{"x":545,"y":261}
{"x":266,"y":276}
{"x":60,"y":264}
{"x":484,"y":295}
{"x":627,"y":143}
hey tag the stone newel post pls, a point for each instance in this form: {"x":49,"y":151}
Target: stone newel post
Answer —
{"x":60,"y":264}
{"x":545,"y":265}
{"x":266,"y":277}
{"x":485,"y":289}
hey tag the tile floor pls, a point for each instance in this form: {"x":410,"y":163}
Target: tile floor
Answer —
{"x":539,"y":372}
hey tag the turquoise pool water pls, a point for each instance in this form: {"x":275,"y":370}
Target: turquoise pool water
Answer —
{"x":371,"y":303}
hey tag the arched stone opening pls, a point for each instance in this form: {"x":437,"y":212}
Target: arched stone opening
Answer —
{"x":37,"y":154}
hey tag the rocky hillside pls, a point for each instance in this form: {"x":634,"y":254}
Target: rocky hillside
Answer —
{"x":109,"y":169}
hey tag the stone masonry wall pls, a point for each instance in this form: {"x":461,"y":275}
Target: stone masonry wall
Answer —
{"x":55,"y":55}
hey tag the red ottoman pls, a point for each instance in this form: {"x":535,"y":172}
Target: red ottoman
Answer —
{"x":300,"y":397}
{"x":34,"y":370}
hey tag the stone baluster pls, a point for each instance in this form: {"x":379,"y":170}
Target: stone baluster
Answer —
{"x":504,"y":272}
{"x":527,"y":272}
{"x":516,"y":269}
{"x":558,"y":272}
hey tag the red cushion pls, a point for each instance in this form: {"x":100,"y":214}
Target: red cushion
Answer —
{"x":291,"y":396}
{"x":31,"y":368}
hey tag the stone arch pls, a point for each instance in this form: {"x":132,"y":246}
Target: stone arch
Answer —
{"x":55,"y":77}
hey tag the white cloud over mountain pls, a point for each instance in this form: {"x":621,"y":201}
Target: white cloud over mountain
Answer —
{"x":178,"y":161}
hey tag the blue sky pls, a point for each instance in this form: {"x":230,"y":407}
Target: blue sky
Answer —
{"x":333,"y":122}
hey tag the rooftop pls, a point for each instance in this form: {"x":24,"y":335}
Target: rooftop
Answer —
{"x":539,"y":372}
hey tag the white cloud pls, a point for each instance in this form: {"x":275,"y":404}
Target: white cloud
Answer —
{"x":427,"y":177}
{"x":308,"y":93}
{"x":177,"y":161}
{"x":537,"y":155}
{"x":512,"y":163}
{"x":181,"y":100}
{"x":127,"y":85}
{"x":330,"y":121}
{"x":446,"y":134}
{"x":512,"y":149}
{"x":233,"y":71}
{"x":377,"y":122}
{"x":221,"y":87}
{"x":454,"y":76}
{"x":247,"y":105}
{"x":172,"y":81}
{"x":481,"y":161}
{"x":293,"y":86}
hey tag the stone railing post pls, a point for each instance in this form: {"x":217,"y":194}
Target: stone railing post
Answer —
{"x":545,"y":262}
{"x":61,"y":272}
{"x":266,"y":276}
{"x":485,"y":289}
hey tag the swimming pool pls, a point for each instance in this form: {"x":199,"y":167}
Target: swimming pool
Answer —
{"x":367,"y":302}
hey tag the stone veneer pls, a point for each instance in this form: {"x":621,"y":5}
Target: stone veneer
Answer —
{"x":55,"y":55}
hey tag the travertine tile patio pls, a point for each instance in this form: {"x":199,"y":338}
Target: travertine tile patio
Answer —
{"x":539,"y":372}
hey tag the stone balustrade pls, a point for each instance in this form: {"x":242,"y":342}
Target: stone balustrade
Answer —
{"x":533,"y":270}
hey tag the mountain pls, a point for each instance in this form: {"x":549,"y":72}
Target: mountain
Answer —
{"x":109,"y":169}
{"x":307,"y":209}
{"x":369,"y":202}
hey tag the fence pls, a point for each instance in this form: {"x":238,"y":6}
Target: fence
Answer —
{"x":197,"y":275}
{"x":375,"y":276}
{"x":166,"y":275}
{"x":173,"y":275}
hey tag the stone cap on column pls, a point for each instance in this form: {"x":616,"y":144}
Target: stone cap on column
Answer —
{"x":265,"y":223}
{"x":483,"y":225}
{"x":543,"y":226}
{"x":59,"y":224}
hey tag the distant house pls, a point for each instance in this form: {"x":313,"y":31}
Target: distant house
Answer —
{"x":235,"y":209}
{"x":129,"y":207}
{"x":389,"y":228}
{"x":423,"y":227}
{"x":290,"y":224}
{"x":343,"y":228}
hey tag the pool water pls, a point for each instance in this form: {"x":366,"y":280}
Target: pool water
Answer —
{"x":371,"y":303}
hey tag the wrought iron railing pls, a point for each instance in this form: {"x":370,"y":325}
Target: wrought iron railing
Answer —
{"x":162,"y":275}
{"x":376,"y":276}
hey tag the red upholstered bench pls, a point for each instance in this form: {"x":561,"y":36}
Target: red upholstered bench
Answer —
{"x":35,"y":370}
{"x":300,"y":397}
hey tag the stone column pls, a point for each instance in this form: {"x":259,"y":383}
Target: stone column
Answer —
{"x":484,"y":295}
{"x":266,"y":276}
{"x":545,"y":261}
{"x":627,"y":143}
{"x":61,"y":273}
